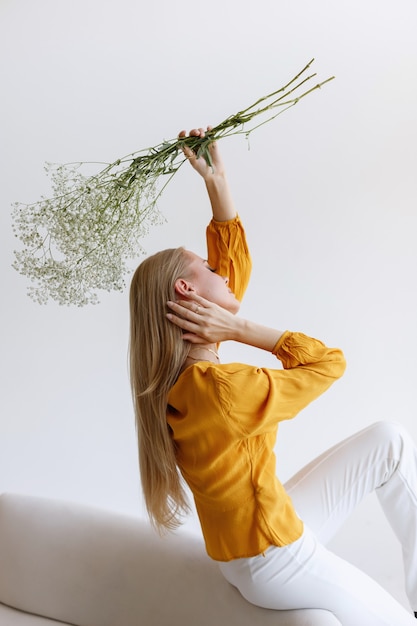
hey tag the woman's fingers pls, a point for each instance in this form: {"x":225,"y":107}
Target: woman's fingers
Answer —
{"x":203,"y":164}
{"x":189,"y":316}
{"x":182,"y":322}
{"x":186,"y":309}
{"x":191,"y":331}
{"x":194,"y":297}
{"x":195,"y":132}
{"x":194,"y":305}
{"x":203,"y":319}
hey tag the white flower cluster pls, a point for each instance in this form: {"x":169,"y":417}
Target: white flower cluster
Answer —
{"x":78,"y":242}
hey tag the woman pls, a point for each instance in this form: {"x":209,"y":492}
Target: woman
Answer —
{"x":215,"y":426}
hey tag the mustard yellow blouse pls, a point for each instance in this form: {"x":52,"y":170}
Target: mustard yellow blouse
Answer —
{"x":224,"y":420}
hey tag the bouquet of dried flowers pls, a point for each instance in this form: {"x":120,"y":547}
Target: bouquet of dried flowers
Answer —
{"x":79,"y":240}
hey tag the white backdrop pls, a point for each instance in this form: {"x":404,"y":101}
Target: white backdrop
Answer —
{"x":327,"y":193}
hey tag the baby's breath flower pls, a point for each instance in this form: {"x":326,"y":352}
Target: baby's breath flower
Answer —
{"x":79,"y":241}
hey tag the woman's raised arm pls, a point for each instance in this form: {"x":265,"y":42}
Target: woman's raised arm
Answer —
{"x":214,"y":177}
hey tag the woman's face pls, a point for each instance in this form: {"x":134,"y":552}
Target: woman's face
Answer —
{"x":204,"y":281}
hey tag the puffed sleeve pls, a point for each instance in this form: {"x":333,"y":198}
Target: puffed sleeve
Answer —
{"x":257,"y":399}
{"x":228,"y":253}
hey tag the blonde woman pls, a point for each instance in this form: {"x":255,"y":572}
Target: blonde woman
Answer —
{"x":214,"y":426}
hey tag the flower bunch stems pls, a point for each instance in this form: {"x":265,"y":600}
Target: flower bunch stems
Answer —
{"x":78,"y":241}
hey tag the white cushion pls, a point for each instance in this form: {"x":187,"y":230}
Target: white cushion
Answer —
{"x":14,"y":617}
{"x":88,"y":567}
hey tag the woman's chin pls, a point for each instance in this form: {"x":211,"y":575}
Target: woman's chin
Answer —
{"x":234,"y":307}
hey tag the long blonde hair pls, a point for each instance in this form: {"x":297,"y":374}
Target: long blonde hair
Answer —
{"x":157,"y":352}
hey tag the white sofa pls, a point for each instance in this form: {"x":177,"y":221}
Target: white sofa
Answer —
{"x":64,"y":563}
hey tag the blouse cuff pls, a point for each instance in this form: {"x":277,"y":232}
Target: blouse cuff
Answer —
{"x":280,"y":341}
{"x":220,"y":223}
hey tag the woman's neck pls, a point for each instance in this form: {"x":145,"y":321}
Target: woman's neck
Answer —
{"x":203,"y":353}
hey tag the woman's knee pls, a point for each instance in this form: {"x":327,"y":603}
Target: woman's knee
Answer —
{"x":387,"y":431}
{"x":390,"y":436}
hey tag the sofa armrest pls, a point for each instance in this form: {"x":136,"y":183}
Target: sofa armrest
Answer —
{"x":14,"y":617}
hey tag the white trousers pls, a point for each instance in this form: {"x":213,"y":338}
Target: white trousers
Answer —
{"x":305,"y":574}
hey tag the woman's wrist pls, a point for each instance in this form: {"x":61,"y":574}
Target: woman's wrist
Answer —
{"x":220,"y":196}
{"x":215,"y":180}
{"x":256,"y":335}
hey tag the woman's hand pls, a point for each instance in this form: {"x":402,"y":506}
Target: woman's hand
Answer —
{"x":214,"y":176}
{"x":203,"y":321}
{"x":200,"y":164}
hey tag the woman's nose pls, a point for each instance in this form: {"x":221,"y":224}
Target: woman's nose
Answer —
{"x":226,"y":279}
